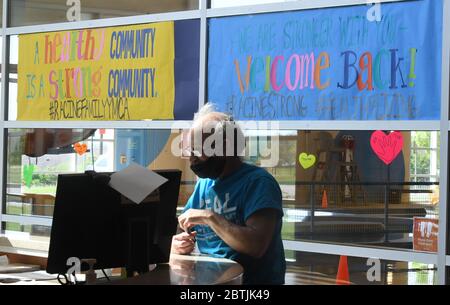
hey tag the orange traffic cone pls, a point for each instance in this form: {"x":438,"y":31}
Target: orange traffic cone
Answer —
{"x":343,"y":277}
{"x":324,"y":200}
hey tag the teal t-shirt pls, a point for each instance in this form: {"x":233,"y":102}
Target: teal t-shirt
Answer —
{"x":236,"y":197}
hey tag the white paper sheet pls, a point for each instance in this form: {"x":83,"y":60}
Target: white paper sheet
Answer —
{"x":136,"y":182}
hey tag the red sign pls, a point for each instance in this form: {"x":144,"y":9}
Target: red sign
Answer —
{"x":426,"y":234}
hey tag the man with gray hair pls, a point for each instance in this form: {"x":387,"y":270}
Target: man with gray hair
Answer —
{"x":236,"y":208}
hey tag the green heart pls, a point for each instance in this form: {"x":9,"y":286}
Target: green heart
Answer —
{"x":306,"y":161}
{"x":28,"y":171}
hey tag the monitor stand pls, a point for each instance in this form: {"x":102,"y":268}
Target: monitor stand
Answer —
{"x":138,"y":246}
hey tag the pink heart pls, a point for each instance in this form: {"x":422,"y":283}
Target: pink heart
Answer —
{"x":386,"y":147}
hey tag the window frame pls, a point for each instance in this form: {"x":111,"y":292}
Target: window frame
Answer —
{"x":441,"y":259}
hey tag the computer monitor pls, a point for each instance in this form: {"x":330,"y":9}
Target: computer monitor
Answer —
{"x":92,"y":220}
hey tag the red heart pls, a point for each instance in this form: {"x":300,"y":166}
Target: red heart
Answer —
{"x":386,"y":147}
{"x":80,"y":148}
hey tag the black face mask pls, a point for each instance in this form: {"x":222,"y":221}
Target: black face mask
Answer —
{"x":211,"y":168}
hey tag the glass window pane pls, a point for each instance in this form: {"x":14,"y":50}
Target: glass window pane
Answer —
{"x":90,"y":89}
{"x":421,"y":139}
{"x":37,"y":156}
{"x":106,"y":134}
{"x":322,"y":269}
{"x":30,"y":12}
{"x":16,"y":231}
{"x":337,"y":189}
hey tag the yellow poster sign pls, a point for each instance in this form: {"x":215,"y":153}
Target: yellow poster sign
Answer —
{"x":116,"y":73}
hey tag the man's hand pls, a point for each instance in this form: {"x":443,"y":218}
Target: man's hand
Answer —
{"x":183,"y":243}
{"x":194,"y":217}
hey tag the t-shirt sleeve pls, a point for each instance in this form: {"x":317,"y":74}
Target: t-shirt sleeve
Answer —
{"x":262,"y":193}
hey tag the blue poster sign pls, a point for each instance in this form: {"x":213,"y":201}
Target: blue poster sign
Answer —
{"x":329,"y":64}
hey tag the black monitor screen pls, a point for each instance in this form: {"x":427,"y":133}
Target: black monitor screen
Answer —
{"x":92,"y":220}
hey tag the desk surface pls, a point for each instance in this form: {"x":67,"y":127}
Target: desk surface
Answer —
{"x":191,"y":269}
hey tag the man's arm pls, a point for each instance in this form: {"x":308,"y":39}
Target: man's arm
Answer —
{"x":252,"y":239}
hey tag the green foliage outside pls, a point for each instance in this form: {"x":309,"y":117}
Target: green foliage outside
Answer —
{"x":420,"y":158}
